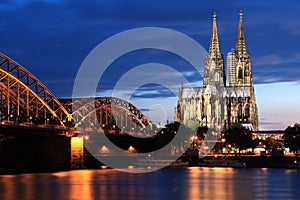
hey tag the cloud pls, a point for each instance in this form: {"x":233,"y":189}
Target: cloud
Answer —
{"x":268,"y":60}
{"x":264,"y":121}
{"x":51,"y":38}
{"x":270,"y":123}
{"x":53,"y":48}
{"x":275,"y":68}
{"x":152,"y":92}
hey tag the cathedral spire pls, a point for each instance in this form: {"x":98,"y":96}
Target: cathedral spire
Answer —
{"x":241,"y":42}
{"x":214,"y":40}
{"x":214,"y":64}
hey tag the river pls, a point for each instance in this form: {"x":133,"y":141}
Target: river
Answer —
{"x":181,"y":183}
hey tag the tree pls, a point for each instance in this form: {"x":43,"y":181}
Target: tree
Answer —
{"x":272,"y":144}
{"x":292,"y":138}
{"x":239,"y":136}
{"x":201,"y":132}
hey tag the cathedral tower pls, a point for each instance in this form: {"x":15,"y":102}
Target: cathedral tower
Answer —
{"x":214,"y":63}
{"x":241,"y":103}
{"x":238,"y":60}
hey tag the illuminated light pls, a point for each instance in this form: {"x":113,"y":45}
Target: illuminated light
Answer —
{"x":131,"y":149}
{"x":76,"y":152}
{"x":77,"y":140}
{"x":193,"y":168}
{"x":60,"y":174}
{"x":194,"y":138}
{"x":265,"y":170}
{"x":103,"y":167}
{"x":86,"y":137}
{"x":130,"y":167}
{"x":206,"y":147}
{"x":104,"y":149}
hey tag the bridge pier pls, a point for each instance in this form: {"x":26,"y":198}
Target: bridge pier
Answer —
{"x":33,"y":148}
{"x":35,"y":153}
{"x":77,"y":153}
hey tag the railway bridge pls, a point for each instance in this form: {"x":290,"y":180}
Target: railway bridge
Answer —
{"x":35,"y":124}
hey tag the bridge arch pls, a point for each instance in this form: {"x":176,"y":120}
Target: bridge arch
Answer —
{"x":24,"y":98}
{"x":109,"y":112}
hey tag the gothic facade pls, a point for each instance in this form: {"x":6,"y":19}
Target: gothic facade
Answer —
{"x":215,"y":104}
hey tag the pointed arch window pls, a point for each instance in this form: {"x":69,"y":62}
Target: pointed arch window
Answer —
{"x":247,"y":113}
{"x":240,"y":113}
{"x":240,"y":74}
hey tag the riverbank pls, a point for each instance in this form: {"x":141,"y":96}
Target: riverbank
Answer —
{"x":250,"y":162}
{"x":260,"y":161}
{"x":267,"y":161}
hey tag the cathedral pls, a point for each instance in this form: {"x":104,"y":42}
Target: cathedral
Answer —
{"x":220,"y":103}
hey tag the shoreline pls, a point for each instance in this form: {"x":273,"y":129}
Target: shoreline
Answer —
{"x":250,"y":161}
{"x":261,"y":161}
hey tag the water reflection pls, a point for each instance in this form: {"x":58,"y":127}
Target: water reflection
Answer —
{"x":188,"y":183}
{"x":210,"y":183}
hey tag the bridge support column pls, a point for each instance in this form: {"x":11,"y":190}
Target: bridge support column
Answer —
{"x":77,"y":153}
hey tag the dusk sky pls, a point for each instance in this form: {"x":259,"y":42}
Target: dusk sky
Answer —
{"x":51,"y":38}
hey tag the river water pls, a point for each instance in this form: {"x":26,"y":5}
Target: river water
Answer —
{"x":181,"y":183}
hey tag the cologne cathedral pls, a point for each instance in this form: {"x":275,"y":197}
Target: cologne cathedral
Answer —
{"x":215,"y":104}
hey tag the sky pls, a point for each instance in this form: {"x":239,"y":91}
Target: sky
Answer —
{"x":51,"y":38}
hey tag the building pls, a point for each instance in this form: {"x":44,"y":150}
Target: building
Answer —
{"x":215,"y":104}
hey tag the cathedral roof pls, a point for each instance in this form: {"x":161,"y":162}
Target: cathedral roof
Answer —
{"x":236,"y":91}
{"x":199,"y":92}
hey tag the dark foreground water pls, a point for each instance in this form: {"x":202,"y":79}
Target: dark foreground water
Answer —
{"x":188,"y":183}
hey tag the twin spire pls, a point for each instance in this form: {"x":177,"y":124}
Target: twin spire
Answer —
{"x":240,"y":42}
{"x":214,"y":46}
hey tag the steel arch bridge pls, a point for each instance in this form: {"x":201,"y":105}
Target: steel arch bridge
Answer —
{"x":110,"y":113}
{"x":23,"y":98}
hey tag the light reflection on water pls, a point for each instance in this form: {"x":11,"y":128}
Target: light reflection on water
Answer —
{"x":187,"y":183}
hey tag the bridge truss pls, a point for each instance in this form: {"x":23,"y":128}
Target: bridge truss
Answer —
{"x":110,"y":113}
{"x":23,"y":98}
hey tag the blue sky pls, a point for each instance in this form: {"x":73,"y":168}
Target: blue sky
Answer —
{"x":52,"y":38}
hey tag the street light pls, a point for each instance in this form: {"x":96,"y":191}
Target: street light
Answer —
{"x":193,"y":138}
{"x":229,"y":148}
